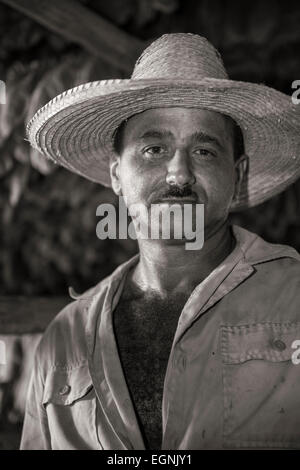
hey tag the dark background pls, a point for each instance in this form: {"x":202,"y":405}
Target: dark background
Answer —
{"x":48,"y":215}
{"x":48,"y":221}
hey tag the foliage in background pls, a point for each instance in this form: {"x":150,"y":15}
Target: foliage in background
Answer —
{"x":48,"y":221}
{"x":47,"y":215}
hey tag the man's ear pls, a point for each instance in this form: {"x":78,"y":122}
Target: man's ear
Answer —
{"x":115,"y":175}
{"x":241,"y":170}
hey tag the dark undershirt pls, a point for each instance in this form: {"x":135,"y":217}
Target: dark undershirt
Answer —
{"x":145,"y":326}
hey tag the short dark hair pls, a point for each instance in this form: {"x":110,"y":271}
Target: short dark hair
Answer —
{"x":237,"y":137}
{"x":118,"y":137}
{"x":238,"y":140}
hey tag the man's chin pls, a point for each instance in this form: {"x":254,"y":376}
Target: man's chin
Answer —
{"x":174,"y":234}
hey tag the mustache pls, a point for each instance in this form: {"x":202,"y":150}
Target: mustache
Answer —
{"x":177,"y":192}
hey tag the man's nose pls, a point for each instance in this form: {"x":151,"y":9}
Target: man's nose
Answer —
{"x":178,"y":170}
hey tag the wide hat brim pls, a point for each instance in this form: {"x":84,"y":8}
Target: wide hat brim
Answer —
{"x":76,"y":129}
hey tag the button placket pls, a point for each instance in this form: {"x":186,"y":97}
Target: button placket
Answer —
{"x":174,"y":394}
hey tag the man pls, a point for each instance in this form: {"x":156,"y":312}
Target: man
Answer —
{"x":177,"y":349}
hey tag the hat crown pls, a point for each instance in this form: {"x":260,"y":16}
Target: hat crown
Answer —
{"x":181,"y":56}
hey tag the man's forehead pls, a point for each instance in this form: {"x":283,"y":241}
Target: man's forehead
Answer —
{"x":162,"y":122}
{"x":190,"y":136}
{"x":175,"y":112}
{"x":185,"y":123}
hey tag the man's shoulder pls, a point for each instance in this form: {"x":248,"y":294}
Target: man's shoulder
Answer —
{"x":276,"y":271}
{"x":258,"y":250}
{"x":63,"y":343}
{"x":282,"y":271}
{"x":275,"y":266}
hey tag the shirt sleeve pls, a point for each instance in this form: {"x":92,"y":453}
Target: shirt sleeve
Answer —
{"x":35,"y":433}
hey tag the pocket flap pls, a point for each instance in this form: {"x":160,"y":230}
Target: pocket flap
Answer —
{"x":63,"y":387}
{"x":269,"y":341}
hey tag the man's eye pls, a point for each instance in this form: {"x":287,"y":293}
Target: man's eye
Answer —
{"x":204,"y":152}
{"x":154,"y":150}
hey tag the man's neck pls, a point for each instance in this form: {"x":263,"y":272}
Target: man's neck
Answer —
{"x":168,"y":268}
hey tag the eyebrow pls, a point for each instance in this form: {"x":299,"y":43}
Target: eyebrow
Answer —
{"x":196,"y":137}
{"x":203,"y":137}
{"x":155,"y":134}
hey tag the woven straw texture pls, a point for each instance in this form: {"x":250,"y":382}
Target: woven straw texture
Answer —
{"x":76,"y":128}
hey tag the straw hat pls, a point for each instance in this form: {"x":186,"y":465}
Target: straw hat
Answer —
{"x":76,"y":129}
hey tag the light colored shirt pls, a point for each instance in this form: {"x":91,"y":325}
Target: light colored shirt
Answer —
{"x":230,"y":382}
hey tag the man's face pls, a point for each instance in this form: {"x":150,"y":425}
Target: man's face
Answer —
{"x":187,"y":148}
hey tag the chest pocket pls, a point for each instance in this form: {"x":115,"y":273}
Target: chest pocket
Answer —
{"x":70,"y":402}
{"x":64,"y":387}
{"x":261,"y":386}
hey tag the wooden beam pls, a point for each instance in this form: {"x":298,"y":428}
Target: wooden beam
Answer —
{"x":77,"y":23}
{"x":22,"y":315}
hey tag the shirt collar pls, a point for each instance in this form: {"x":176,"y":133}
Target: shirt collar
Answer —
{"x":257,"y":250}
{"x":249,"y":246}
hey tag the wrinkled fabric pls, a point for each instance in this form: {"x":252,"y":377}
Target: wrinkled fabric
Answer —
{"x":230,"y":382}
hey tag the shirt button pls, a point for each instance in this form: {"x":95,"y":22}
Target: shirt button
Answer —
{"x":278,"y":344}
{"x":64,"y":390}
